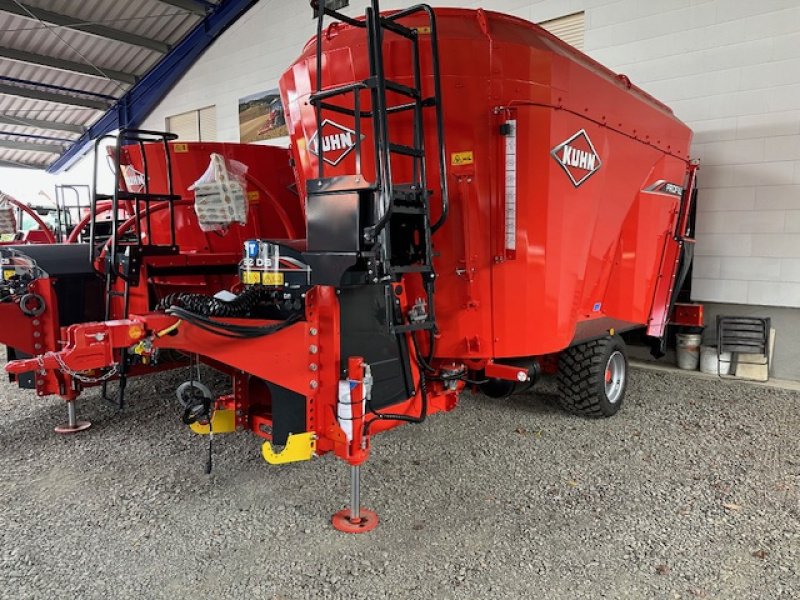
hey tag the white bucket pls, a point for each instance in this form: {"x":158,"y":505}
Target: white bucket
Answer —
{"x":688,"y":350}
{"x":710,"y":364}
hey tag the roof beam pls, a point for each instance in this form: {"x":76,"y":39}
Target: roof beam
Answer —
{"x":31,"y":146}
{"x":21,"y":165}
{"x":117,"y":35}
{"x":6,"y":119}
{"x":36,"y":136}
{"x":23,"y":92}
{"x":65,"y":65}
{"x":193,"y":6}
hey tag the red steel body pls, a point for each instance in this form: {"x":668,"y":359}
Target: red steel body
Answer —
{"x":586,"y":259}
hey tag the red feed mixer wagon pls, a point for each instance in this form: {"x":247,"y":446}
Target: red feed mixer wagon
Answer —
{"x":473,"y":203}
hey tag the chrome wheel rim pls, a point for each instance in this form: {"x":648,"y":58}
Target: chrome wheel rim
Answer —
{"x":615,"y":376}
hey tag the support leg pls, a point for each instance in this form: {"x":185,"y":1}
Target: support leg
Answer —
{"x":355,"y":519}
{"x":72,"y":425}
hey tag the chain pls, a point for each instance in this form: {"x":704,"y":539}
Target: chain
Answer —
{"x":75,"y":374}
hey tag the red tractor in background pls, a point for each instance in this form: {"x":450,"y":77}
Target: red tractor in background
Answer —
{"x":487,"y":206}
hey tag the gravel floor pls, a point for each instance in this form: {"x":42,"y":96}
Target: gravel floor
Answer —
{"x":691,"y":492}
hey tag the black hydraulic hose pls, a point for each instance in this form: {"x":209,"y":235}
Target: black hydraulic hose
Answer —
{"x":423,"y":389}
{"x":230,"y":330}
{"x":211,"y":306}
{"x":424,"y":363}
{"x":423,"y":411}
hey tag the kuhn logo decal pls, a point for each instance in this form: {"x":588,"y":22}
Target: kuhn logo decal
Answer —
{"x":134,"y":180}
{"x":577,"y":157}
{"x":337,"y":142}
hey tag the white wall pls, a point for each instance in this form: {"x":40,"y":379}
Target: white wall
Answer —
{"x":729,"y":68}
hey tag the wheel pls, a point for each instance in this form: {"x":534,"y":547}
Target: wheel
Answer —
{"x":190,"y":391}
{"x":592,"y":377}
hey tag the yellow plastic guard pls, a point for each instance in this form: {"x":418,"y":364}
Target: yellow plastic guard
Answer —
{"x":223,"y":420}
{"x":299,"y":446}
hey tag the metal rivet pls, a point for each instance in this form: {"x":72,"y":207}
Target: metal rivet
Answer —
{"x":36,"y":322}
{"x":313,"y":331}
{"x":313,"y":366}
{"x":314,"y":384}
{"x":312,"y":349}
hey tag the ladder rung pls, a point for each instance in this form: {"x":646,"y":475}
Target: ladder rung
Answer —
{"x":141,"y":197}
{"x":408,"y":210}
{"x":401,"y":89}
{"x":412,"y":269}
{"x":401,"y":107}
{"x":330,"y":93}
{"x":406,"y":150}
{"x":398,"y":29}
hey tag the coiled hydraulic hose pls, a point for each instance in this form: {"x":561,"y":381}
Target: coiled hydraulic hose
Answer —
{"x":211,"y":306}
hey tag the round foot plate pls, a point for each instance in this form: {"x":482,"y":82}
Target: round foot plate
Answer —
{"x":79,"y":426}
{"x":367,"y":522}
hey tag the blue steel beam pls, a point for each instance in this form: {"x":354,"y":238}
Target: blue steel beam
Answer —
{"x":140,"y":100}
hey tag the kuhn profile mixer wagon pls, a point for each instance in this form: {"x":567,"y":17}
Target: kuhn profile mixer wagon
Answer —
{"x":472,"y":203}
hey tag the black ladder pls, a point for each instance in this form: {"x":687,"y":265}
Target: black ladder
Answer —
{"x":121,"y":255}
{"x":393,"y":232}
{"x":70,"y":214}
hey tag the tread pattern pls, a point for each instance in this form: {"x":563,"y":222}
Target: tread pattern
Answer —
{"x":580,"y":377}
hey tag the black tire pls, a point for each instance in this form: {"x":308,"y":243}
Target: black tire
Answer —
{"x":582,"y":373}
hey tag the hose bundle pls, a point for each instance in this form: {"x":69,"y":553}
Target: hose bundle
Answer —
{"x":198,"y":309}
{"x":230,"y":330}
{"x":211,"y":306}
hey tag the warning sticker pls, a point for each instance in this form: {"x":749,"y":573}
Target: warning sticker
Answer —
{"x":270,"y":278}
{"x":253,"y":196}
{"x":462,"y":158}
{"x":179,"y":148}
{"x":251,"y":277}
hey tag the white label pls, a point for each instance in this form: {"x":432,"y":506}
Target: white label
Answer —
{"x":345,"y":409}
{"x":511,"y":186}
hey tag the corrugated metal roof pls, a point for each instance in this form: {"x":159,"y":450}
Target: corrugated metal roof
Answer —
{"x":24,"y":39}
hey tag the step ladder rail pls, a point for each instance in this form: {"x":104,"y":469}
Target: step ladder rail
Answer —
{"x":147,"y":192}
{"x":95,"y":195}
{"x":384,"y":181}
{"x":112,"y":270}
{"x":321,"y":12}
{"x":165,"y":139}
{"x":409,"y":201}
{"x":438,"y":105}
{"x":111,"y":262}
{"x":419,"y":174}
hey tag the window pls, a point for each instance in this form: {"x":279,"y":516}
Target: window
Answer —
{"x":195,"y":125}
{"x":569,"y":28}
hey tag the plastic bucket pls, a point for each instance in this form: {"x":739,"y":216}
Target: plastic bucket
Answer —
{"x":711,"y":364}
{"x":688,"y":350}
